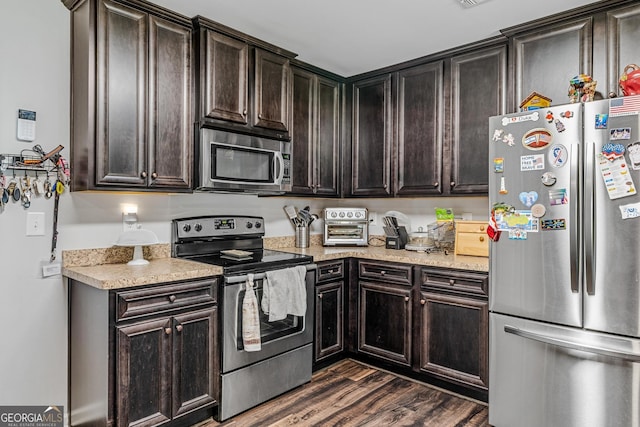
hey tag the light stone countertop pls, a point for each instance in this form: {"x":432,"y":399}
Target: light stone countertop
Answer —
{"x":106,"y":268}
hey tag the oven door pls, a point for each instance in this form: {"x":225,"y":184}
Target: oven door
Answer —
{"x":346,"y":233}
{"x":276,"y":337}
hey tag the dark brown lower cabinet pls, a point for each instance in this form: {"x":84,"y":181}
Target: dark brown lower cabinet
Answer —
{"x":454,"y":343}
{"x":329,"y":319}
{"x":143,"y":356}
{"x":384,"y":321}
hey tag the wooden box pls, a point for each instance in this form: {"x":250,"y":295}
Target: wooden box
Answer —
{"x":471,"y":238}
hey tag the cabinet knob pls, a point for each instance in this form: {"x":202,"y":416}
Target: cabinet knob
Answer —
{"x":172,"y":298}
{"x":244,"y":112}
{"x":179,"y":328}
{"x":320,"y":296}
{"x":382,"y":272}
{"x":452,"y":183}
{"x":143,"y":174}
{"x":436,"y":184}
{"x":482,"y":238}
{"x":482,"y":228}
{"x":154,"y":175}
{"x":452,"y":282}
{"x":406,"y":299}
{"x":260,"y":116}
{"x":167,"y":331}
{"x":384,"y":186}
{"x":423,"y":302}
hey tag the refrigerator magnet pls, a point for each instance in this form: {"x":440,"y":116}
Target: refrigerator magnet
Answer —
{"x":634,"y":155}
{"x":538,"y":210}
{"x":517,"y":234}
{"x":548,"y":179}
{"x":498,"y":165}
{"x":630,"y":211}
{"x":558,"y":197}
{"x":601,"y":121}
{"x":559,"y":126}
{"x":531,"y":162}
{"x":553,"y":224}
{"x":558,"y":155}
{"x":549,"y":117}
{"x":503,"y":186}
{"x":620,"y":133}
{"x":566,"y":114}
{"x":612,"y":151}
{"x":528,"y":198}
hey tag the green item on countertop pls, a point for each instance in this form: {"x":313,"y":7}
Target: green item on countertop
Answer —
{"x":444,"y":214}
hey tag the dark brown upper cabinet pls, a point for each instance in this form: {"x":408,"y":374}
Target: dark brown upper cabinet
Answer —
{"x":244,"y":83}
{"x":315,"y":134}
{"x":371,"y":145}
{"x":131,"y":98}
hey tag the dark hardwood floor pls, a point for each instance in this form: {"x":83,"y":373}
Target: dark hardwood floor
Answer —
{"x":350,"y":393}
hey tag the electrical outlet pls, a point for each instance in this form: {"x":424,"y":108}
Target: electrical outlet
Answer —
{"x":35,"y":224}
{"x":373,"y":218}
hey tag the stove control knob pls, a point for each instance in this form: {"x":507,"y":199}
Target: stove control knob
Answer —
{"x":258,"y":224}
{"x":341,"y":214}
{"x":334,"y":214}
{"x":198,"y":227}
{"x":349,"y":214}
{"x":249,"y":225}
{"x":187,"y":228}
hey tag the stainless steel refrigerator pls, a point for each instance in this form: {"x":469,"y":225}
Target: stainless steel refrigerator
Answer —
{"x":565,"y":268}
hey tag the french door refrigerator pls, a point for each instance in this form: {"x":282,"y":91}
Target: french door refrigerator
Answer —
{"x":565,"y":268}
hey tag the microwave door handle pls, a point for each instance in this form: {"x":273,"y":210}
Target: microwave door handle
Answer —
{"x":278,"y":164}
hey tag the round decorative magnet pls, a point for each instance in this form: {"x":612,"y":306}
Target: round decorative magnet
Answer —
{"x":538,"y":210}
{"x":558,"y":155}
{"x":548,"y":179}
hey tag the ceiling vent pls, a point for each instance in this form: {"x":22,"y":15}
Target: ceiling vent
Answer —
{"x":470,"y":3}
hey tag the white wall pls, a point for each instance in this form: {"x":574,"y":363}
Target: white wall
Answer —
{"x":34,"y":45}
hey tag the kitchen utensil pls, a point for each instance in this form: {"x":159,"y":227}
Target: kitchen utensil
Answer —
{"x":292,"y":213}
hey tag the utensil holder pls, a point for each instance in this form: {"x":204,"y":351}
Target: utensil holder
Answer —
{"x":302,"y":236}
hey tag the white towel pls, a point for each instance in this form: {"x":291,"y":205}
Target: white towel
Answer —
{"x":250,"y":318}
{"x":284,"y":292}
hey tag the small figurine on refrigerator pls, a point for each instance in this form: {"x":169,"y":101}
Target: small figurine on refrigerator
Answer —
{"x":535,"y":101}
{"x":582,"y":88}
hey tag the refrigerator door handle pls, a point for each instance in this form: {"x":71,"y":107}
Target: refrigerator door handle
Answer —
{"x":573,"y":231}
{"x":561,"y":342}
{"x":588,"y":216}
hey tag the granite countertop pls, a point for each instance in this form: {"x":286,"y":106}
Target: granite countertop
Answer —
{"x":106,"y":268}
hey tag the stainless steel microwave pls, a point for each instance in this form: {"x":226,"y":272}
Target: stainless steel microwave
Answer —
{"x":244,"y":163}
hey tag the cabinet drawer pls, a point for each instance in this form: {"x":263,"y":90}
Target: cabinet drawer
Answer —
{"x":330,"y":271}
{"x":474,"y":244}
{"x":456,"y":281}
{"x":158,"y":299}
{"x":471,"y":226}
{"x":395,"y":273}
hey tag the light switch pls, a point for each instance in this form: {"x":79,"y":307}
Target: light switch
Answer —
{"x":35,"y":224}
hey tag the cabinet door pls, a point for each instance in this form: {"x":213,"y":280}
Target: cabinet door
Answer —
{"x":195,"y":374}
{"x":478,"y":91}
{"x":623,"y":26}
{"x":271,"y":91}
{"x":302,"y":131}
{"x":170,"y":128}
{"x":371,"y":145}
{"x":143,"y":372}
{"x":327,"y":163}
{"x":226,"y":81}
{"x":546,"y":59}
{"x":122,"y":95}
{"x":455,"y":339}
{"x":329,"y":338}
{"x":384,"y":322}
{"x":419,"y":142}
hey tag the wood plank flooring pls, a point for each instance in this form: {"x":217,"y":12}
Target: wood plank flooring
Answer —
{"x":350,"y":393}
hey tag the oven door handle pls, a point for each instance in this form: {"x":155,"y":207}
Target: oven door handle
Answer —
{"x":258,"y":276}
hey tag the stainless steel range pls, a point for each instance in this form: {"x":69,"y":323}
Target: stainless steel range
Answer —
{"x":284,"y":360}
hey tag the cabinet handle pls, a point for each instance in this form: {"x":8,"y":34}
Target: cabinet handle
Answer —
{"x":423,"y":302}
{"x":482,"y":238}
{"x":154,"y":175}
{"x":172,"y":298}
{"x":330,"y":271}
{"x":179,"y":328}
{"x":452,"y":282}
{"x":452,"y":183}
{"x":406,"y":299}
{"x":167,"y":331}
{"x":143,"y":174}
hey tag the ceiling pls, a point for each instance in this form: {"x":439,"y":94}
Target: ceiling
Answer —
{"x":350,"y":37}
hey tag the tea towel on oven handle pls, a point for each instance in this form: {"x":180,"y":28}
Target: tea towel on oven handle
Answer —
{"x":250,"y":318}
{"x":284,"y":292}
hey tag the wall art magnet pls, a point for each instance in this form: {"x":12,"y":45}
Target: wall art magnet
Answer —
{"x":500,"y":135}
{"x":559,"y":125}
{"x":601,"y":121}
{"x":498,"y":165}
{"x":538,"y":210}
{"x":517,"y":234}
{"x":503,"y":186}
{"x":630,"y":211}
{"x":518,"y":119}
{"x":528,"y":198}
{"x":532,"y":162}
{"x":620,"y":133}
{"x":553,"y":224}
{"x":516,"y":220}
{"x":558,"y":155}
{"x":616,"y":177}
{"x":548,"y":179}
{"x":634,"y":155}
